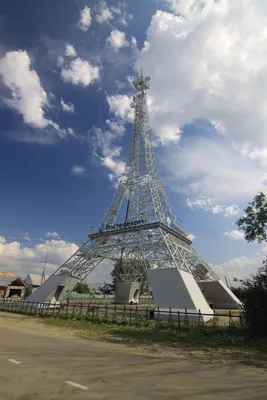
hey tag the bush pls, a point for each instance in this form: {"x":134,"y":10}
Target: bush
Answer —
{"x":254,"y":295}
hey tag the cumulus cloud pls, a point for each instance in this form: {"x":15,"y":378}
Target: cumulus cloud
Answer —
{"x":209,"y":62}
{"x":77,"y":170}
{"x":235,"y":234}
{"x":240,"y":267}
{"x":22,"y":260}
{"x":27,"y":237}
{"x":2,"y":240}
{"x":205,"y":204}
{"x":116,"y":166}
{"x":105,"y":150}
{"x":104,"y":13}
{"x":52,"y":234}
{"x":67,"y":107}
{"x":70,"y":50}
{"x":117,"y":39}
{"x":85,"y":19}
{"x":27,"y":95}
{"x":209,"y":170}
{"x":120,"y":106}
{"x":80,"y":72}
{"x":29,"y":99}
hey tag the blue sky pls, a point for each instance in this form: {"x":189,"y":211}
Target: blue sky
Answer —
{"x":65,"y":131}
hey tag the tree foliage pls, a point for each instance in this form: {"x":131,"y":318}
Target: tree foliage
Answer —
{"x":254,"y":294}
{"x":253,"y":291}
{"x":137,"y":267}
{"x":254,"y":221}
{"x":82,"y":288}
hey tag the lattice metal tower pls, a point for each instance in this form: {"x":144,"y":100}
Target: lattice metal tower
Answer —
{"x":140,"y":223}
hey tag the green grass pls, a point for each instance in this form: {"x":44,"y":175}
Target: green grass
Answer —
{"x":223,"y":343}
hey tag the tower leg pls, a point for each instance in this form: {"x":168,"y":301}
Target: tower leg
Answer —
{"x":178,"y":290}
{"x":127,"y":293}
{"x":55,"y":289}
{"x":221,"y":296}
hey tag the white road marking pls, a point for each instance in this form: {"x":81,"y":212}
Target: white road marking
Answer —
{"x":14,"y":361}
{"x":77,"y":385}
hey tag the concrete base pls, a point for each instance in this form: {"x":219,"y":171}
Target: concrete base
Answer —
{"x":220,"y":295}
{"x":55,"y":289}
{"x":127,"y":293}
{"x":164,"y":314}
{"x":177,"y":290}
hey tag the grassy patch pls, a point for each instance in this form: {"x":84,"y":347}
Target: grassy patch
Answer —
{"x":220,"y":343}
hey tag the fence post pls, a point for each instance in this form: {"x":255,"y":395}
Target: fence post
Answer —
{"x":106,"y":312}
{"x":179,"y":320}
{"x":186,"y":319}
{"x":241,"y":321}
{"x":231,"y":321}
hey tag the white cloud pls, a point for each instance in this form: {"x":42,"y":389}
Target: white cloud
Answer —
{"x":85,"y":19}
{"x":60,"y":61}
{"x":105,"y":150}
{"x":209,"y":62}
{"x":104,"y":14}
{"x":67,"y":107}
{"x":235,"y":234}
{"x":191,"y":236}
{"x":209,"y":169}
{"x":117,"y":39}
{"x":52,"y":234}
{"x":240,"y":267}
{"x":70,"y":50}
{"x":77,"y":170}
{"x":120,"y":106}
{"x":21,"y":260}
{"x":231,"y":210}
{"x":2,"y":240}
{"x":205,"y":204}
{"x":116,"y":166}
{"x":27,"y":95}
{"x":80,"y":72}
{"x":29,"y":99}
{"x":27,"y":237}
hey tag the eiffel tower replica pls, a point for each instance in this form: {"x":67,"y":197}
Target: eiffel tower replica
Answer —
{"x":140,"y":228}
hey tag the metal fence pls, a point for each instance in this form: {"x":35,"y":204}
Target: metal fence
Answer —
{"x":122,"y":314}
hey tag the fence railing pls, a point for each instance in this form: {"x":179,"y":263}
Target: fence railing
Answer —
{"x":122,"y":314}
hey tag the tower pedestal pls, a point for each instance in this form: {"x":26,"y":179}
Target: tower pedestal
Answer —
{"x":127,"y":293}
{"x":55,"y":289}
{"x":220,"y":295}
{"x":177,"y":290}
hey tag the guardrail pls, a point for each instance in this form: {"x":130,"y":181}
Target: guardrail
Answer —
{"x":132,"y":315}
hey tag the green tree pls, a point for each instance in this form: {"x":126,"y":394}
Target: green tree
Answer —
{"x":254,"y":290}
{"x":254,"y":221}
{"x":133,"y":267}
{"x":82,"y":288}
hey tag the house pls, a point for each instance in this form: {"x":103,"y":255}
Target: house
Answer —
{"x":12,"y":287}
{"x":107,"y":289}
{"x":33,"y":281}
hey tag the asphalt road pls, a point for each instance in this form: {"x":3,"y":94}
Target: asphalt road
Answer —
{"x":33,"y":367}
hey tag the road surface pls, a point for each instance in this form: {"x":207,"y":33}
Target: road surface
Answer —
{"x":34,"y":367}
